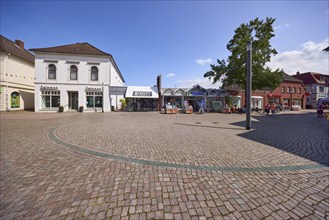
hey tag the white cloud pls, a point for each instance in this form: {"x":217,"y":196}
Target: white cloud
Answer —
{"x":311,"y":58}
{"x":203,"y":61}
{"x":170,"y":75}
{"x":281,"y":26}
{"x":204,"y":82}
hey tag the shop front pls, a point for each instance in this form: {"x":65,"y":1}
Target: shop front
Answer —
{"x":141,"y":98}
{"x":179,"y":98}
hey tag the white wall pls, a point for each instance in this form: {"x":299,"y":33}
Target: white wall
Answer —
{"x":16,"y":75}
{"x":106,"y":76}
{"x":62,"y":63}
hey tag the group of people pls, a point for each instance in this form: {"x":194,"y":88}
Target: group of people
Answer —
{"x":270,"y":107}
{"x":200,"y":106}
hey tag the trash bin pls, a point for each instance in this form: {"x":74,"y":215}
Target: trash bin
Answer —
{"x":112,"y":108}
{"x":81,"y":109}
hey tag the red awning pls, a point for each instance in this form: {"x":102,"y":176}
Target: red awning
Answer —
{"x":273,"y":95}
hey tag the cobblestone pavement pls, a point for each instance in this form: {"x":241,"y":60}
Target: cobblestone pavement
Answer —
{"x":153,"y":166}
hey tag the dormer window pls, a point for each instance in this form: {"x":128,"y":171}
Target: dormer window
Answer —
{"x":73,"y":72}
{"x":94,"y":73}
{"x":51,"y":71}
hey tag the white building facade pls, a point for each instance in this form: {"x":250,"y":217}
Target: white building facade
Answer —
{"x":16,"y":76}
{"x":75,"y":77}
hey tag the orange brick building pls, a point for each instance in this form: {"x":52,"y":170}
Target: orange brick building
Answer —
{"x":290,"y":93}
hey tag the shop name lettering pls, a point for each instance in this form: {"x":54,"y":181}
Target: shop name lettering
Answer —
{"x":49,"y":88}
{"x":142,"y":93}
{"x":93,"y":89}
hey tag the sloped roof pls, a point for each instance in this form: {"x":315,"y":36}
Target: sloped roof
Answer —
{"x":10,"y":47}
{"x":309,"y":78}
{"x":286,"y":77}
{"x":78,"y":49}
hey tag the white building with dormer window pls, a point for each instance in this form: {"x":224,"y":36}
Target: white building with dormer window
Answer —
{"x":74,"y":76}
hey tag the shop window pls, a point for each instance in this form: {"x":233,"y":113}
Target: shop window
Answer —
{"x":283,"y":89}
{"x":73,"y":72}
{"x":94,"y":99}
{"x":94,"y":73}
{"x":14,"y":99}
{"x":51,"y":71}
{"x":50,"y":99}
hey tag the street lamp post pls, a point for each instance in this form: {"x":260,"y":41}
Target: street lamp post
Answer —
{"x":102,"y":97}
{"x":248,"y":86}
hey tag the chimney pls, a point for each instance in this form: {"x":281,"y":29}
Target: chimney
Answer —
{"x":298,"y":73}
{"x":19,"y":43}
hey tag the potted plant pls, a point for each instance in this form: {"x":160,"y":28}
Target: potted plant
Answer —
{"x":81,"y":109}
{"x":61,"y":108}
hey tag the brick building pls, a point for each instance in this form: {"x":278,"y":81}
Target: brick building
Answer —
{"x":291,"y":93}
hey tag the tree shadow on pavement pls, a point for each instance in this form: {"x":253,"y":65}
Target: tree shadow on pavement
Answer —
{"x":304,"y":135}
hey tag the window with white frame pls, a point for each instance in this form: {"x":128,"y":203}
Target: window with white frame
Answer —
{"x":94,"y":99}
{"x":73,"y":72}
{"x":94,"y":73}
{"x":50,"y":99}
{"x":51,"y":71}
{"x":283,"y":89}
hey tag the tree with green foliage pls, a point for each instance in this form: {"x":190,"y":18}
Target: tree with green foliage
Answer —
{"x":233,"y":70}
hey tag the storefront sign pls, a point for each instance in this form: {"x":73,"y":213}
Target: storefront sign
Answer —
{"x":141,"y":93}
{"x":48,"y":88}
{"x":89,"y":89}
{"x":197,"y":93}
{"x":116,"y":90}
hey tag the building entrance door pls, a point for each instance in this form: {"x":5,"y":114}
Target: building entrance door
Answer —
{"x":73,"y":100}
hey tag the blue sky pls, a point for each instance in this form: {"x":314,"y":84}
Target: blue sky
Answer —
{"x":177,"y":39}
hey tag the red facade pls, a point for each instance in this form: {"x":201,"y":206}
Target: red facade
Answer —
{"x":289,"y":93}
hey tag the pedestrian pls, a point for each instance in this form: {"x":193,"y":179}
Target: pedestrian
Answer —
{"x":267,"y":108}
{"x":319,"y":110}
{"x":201,"y":107}
{"x":273,"y":109}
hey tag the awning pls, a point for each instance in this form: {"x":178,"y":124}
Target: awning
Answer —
{"x":142,"y":92}
{"x":273,"y":95}
{"x":256,"y":97}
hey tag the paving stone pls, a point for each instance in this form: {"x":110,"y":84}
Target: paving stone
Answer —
{"x":125,"y":165}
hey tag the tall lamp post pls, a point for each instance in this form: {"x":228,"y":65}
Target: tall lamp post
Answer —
{"x":248,"y":86}
{"x":102,"y":97}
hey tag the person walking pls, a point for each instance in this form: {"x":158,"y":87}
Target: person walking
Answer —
{"x":201,"y":107}
{"x":267,"y":108}
{"x":319,"y":110}
{"x":273,"y":109}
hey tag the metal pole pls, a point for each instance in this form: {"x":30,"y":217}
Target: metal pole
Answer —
{"x":248,"y":86}
{"x":102,"y":97}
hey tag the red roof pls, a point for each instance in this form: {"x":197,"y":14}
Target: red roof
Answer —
{"x":311,"y":78}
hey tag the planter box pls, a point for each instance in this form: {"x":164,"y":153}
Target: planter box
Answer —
{"x":188,"y":111}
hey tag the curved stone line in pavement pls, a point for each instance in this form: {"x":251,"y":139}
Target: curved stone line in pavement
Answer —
{"x":73,"y":147}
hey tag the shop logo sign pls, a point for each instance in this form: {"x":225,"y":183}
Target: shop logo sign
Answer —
{"x":141,"y":93}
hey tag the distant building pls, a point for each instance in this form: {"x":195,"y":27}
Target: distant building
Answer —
{"x":16,"y":76}
{"x":290,"y":93}
{"x":74,"y":76}
{"x":317,"y":86}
